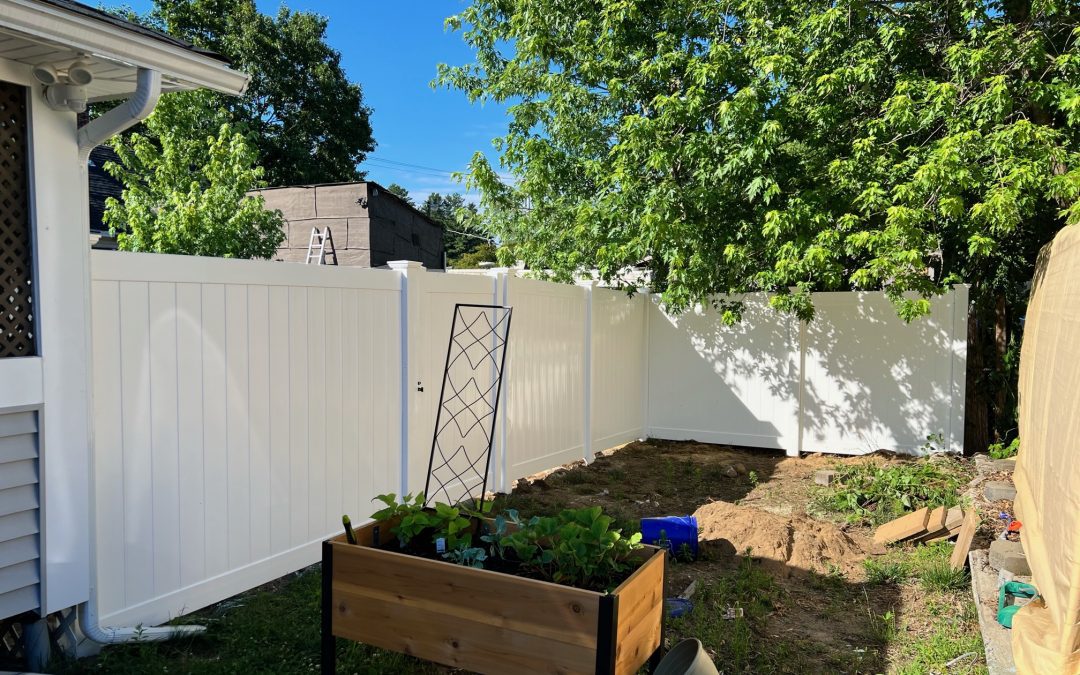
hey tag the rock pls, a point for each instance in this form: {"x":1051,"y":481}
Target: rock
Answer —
{"x":740,"y":467}
{"x":985,"y":465}
{"x":997,"y":490}
{"x":825,"y":477}
{"x":730,"y":471}
{"x":1009,"y":555}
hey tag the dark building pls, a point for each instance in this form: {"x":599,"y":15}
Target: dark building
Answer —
{"x":370,"y":225}
{"x":102,"y":186}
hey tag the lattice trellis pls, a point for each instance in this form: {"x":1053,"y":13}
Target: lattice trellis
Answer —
{"x":17,"y":333}
{"x":468,"y":404}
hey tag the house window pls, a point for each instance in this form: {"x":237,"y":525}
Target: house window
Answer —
{"x":17,"y":332}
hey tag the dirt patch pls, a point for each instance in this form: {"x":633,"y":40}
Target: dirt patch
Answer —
{"x":785,"y":544}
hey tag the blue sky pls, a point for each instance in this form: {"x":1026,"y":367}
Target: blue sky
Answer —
{"x":392,"y":49}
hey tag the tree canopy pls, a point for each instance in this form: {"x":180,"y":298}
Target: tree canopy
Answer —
{"x":169,"y":208}
{"x":784,"y":146}
{"x":789,"y":146}
{"x":308,"y":122}
{"x":465,"y":242}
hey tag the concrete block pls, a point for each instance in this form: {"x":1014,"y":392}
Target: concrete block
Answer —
{"x":904,"y":527}
{"x":340,"y":201}
{"x":997,"y":490}
{"x":825,"y":477}
{"x":1009,"y":555}
{"x":985,"y":465}
{"x":295,"y":203}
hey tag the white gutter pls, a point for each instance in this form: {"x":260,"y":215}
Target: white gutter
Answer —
{"x":127,"y":114}
{"x":93,"y":134}
{"x":104,"y":40}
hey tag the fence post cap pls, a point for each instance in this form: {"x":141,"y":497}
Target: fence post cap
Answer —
{"x":404,"y":265}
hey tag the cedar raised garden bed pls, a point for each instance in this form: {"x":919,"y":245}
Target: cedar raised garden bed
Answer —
{"x":487,"y":621}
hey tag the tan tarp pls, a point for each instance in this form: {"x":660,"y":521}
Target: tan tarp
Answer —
{"x":1046,"y":636}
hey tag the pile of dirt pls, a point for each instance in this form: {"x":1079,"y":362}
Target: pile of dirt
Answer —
{"x":786,"y":544}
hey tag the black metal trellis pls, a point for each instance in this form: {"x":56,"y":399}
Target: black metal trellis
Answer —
{"x":465,"y":420}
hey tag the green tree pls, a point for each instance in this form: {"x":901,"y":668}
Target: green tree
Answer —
{"x":789,"y":146}
{"x":400,"y":192}
{"x":186,"y":191}
{"x":307,"y":120}
{"x":461,"y":233}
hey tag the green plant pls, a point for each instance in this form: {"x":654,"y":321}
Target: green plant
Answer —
{"x":469,"y":557}
{"x":1003,"y":450}
{"x":882,"y":627}
{"x":885,"y":571}
{"x":578,"y":547}
{"x":933,"y":444}
{"x":446,"y":522}
{"x":939,"y":575}
{"x":753,"y":478}
{"x":878,"y":494}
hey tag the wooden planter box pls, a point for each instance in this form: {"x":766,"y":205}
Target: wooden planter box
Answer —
{"x":486,"y":621}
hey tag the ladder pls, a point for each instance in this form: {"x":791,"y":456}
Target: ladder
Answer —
{"x":317,"y":249}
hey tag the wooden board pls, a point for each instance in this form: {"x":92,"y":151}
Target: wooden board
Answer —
{"x":954,"y":520}
{"x":935,"y":524}
{"x":640,"y":614}
{"x":904,"y":527}
{"x":487,"y":621}
{"x":963,"y":541}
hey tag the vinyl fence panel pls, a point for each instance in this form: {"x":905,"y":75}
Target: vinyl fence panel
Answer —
{"x":240,"y":408}
{"x":617,"y":367}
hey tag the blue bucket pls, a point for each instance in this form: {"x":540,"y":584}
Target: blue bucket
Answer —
{"x":675,"y":531}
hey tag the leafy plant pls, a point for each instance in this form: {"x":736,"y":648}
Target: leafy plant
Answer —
{"x":578,"y":547}
{"x":469,"y":557}
{"x":878,"y":494}
{"x":410,"y":512}
{"x":1004,"y":451}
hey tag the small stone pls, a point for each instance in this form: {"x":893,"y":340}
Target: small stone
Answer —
{"x":825,"y":477}
{"x":730,"y":471}
{"x":996,"y":491}
{"x":1009,"y":556}
{"x":740,"y":467}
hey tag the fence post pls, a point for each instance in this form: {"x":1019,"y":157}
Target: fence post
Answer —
{"x":645,"y":360}
{"x":587,"y":369}
{"x":408,"y":304}
{"x":501,"y":296}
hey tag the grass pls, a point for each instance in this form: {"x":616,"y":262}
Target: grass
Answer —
{"x":274,"y":629}
{"x":909,"y":614}
{"x":872,"y":494}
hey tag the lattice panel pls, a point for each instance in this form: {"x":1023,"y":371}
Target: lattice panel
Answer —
{"x":17,"y":333}
{"x":468,"y":405}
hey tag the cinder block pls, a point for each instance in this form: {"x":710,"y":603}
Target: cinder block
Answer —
{"x":905,"y":527}
{"x":295,"y":203}
{"x":997,"y":490}
{"x":825,"y":477}
{"x":1009,"y":555}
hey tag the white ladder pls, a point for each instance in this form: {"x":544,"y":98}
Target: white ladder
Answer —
{"x":316,"y":249}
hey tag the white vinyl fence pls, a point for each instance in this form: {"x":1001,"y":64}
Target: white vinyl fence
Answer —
{"x":855,"y":380}
{"x":241,"y":407}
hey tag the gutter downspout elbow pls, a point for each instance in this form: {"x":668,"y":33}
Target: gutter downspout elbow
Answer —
{"x":127,"y":114}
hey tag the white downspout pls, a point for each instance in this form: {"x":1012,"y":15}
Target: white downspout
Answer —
{"x":93,"y":134}
{"x":127,"y":114}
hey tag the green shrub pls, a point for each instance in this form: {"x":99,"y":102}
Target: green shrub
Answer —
{"x":879,"y":494}
{"x":1004,"y":451}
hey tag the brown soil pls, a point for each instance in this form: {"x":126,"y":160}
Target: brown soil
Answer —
{"x":785,"y":544}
